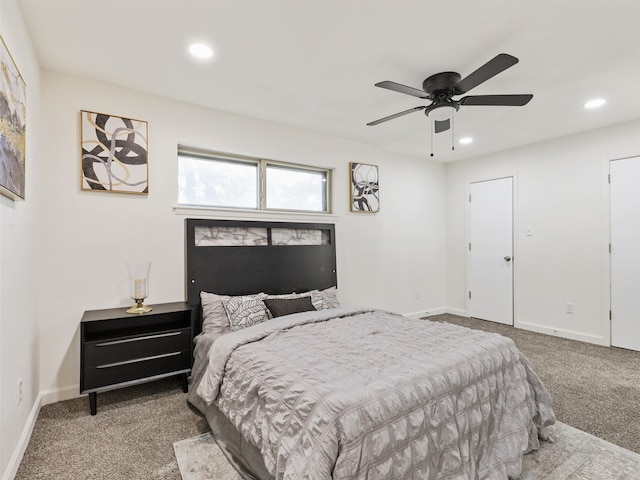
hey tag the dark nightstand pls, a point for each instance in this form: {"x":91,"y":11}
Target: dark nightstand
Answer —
{"x":118,"y":349}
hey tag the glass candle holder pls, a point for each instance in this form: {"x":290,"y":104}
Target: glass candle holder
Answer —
{"x":139,"y":285}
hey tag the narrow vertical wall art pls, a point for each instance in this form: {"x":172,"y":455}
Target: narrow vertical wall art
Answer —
{"x":364,"y":188}
{"x":114,"y":153}
{"x":13,"y":123}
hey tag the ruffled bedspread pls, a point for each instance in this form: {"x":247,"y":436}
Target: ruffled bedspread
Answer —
{"x":361,"y":394}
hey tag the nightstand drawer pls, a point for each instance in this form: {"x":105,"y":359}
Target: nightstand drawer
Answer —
{"x":136,"y":369}
{"x":121,"y":349}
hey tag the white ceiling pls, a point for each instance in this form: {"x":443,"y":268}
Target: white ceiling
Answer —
{"x":313,"y":63}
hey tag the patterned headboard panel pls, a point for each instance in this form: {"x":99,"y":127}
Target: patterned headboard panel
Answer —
{"x":230,"y":257}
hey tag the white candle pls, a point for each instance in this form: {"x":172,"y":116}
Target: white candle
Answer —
{"x":140,"y":288}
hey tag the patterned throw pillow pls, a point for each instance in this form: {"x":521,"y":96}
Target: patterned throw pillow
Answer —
{"x":244,"y":311}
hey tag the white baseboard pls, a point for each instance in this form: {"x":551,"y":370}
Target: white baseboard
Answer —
{"x":59,"y":394}
{"x":457,"y":311}
{"x":437,"y":311}
{"x":425,"y":313}
{"x":16,"y":458}
{"x":44,"y":398}
{"x":559,"y":332}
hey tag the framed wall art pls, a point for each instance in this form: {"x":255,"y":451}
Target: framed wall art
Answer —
{"x":114,"y":153}
{"x":365,"y":188}
{"x":13,"y":122}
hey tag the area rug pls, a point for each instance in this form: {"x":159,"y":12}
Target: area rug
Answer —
{"x":574,"y":455}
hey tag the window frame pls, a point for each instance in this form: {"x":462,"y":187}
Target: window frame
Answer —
{"x":261,"y":180}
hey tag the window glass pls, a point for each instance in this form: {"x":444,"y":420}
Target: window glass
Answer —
{"x":296,"y":189}
{"x":217,"y":182}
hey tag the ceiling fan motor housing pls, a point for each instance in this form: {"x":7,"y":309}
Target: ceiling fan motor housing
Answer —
{"x":441,"y":83}
{"x":440,"y":88}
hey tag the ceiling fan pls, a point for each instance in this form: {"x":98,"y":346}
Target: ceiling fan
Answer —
{"x":442,"y":87}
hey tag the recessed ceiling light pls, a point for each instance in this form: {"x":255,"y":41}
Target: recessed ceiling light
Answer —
{"x":200,"y":50}
{"x":465,"y":140}
{"x":595,"y":103}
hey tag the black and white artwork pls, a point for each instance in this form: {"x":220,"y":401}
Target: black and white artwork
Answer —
{"x":114,"y":153}
{"x":364,"y":188}
{"x":13,"y":113}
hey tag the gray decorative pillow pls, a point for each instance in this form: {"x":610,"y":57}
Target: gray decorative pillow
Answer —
{"x":331,"y":297}
{"x":325,"y":299}
{"x":286,"y":306}
{"x":244,"y":311}
{"x":214,"y":317}
{"x":320,"y":299}
{"x":286,"y":296}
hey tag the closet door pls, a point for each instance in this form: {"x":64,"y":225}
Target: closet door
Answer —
{"x":625,"y":253}
{"x":491,"y":250}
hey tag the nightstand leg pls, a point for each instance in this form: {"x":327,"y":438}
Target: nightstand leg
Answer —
{"x":185,"y":382}
{"x":93,"y":403}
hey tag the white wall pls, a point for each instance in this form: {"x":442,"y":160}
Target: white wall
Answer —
{"x":87,"y":237}
{"x":19,"y":271}
{"x":64,"y":250}
{"x":562,"y":193}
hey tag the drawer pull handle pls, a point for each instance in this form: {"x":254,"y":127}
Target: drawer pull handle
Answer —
{"x":137,"y":339}
{"x":136,"y":360}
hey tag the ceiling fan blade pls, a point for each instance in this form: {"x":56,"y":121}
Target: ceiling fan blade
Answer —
{"x":442,"y":125}
{"x":398,"y":87}
{"x":395,"y":115}
{"x":490,"y":69}
{"x":497,"y":100}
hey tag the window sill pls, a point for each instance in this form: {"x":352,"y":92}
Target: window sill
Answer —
{"x":240,"y":214}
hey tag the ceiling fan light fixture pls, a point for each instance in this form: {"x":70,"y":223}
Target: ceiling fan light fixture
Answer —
{"x":444,"y":112}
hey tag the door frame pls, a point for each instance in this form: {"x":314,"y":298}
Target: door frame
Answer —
{"x":514,"y":229}
{"x":606,"y":242}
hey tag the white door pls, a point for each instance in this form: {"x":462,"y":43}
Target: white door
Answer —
{"x":491,"y":250}
{"x":625,"y":254}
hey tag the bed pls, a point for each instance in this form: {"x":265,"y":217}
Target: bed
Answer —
{"x":303,"y":388}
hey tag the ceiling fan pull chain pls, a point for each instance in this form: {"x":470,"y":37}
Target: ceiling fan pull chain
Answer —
{"x":431,"y":128}
{"x":453,"y":126}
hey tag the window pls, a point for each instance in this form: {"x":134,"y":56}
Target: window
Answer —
{"x":214,"y":179}
{"x":291,"y":188}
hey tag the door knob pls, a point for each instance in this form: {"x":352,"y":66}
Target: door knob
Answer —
{"x":507,"y":258}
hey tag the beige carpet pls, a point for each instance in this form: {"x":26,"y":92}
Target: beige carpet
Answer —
{"x":595,"y":389}
{"x":573,"y":455}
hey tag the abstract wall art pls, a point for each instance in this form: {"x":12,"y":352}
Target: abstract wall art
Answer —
{"x":13,"y":113}
{"x":114,"y":154}
{"x":364,"y":188}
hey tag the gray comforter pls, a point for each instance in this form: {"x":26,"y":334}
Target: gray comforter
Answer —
{"x":360,"y":394}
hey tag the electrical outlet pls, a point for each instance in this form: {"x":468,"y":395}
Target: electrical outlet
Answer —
{"x":19,"y":391}
{"x":416,"y":294}
{"x":569,"y":308}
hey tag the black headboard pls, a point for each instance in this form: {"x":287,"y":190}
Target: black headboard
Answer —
{"x":264,"y":265}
